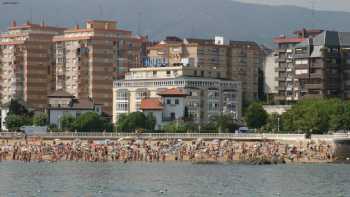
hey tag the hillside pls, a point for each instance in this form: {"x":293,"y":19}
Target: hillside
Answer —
{"x":185,"y":18}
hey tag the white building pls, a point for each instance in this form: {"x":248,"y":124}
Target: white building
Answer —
{"x":170,"y":106}
{"x":62,"y":103}
{"x":205,"y":96}
{"x":3,"y":115}
{"x":271,"y":76}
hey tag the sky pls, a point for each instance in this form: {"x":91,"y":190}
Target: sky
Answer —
{"x":337,"y":5}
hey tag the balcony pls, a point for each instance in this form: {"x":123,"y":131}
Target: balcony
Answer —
{"x":301,"y":66}
{"x":301,"y":55}
{"x":281,"y":88}
{"x":314,"y":86}
{"x":280,"y":50}
{"x":302,"y":76}
{"x":280,"y":69}
{"x":168,"y":119}
{"x":280,"y":98}
{"x":316,"y":75}
{"x":281,"y":59}
{"x":281,"y":78}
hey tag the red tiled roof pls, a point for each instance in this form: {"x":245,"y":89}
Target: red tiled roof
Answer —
{"x":172,"y":92}
{"x":279,"y":40}
{"x":151,"y":104}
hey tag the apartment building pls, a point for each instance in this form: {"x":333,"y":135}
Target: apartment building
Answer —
{"x":86,"y":61}
{"x":245,"y":61}
{"x":26,"y":63}
{"x":131,"y":52}
{"x":287,"y":87}
{"x":206,"y":58}
{"x":205,"y":97}
{"x":212,"y":58}
{"x":322,"y":66}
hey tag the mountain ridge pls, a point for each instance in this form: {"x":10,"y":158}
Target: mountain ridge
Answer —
{"x":184,"y":18}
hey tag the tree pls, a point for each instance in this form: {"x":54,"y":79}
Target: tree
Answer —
{"x":17,"y":108}
{"x":40,"y":119}
{"x":67,"y":122}
{"x":180,"y":127}
{"x":89,"y":122}
{"x":15,"y":122}
{"x":341,"y":119}
{"x":273,"y":123}
{"x":316,"y":116}
{"x":224,"y":123}
{"x":256,"y":116}
{"x":150,"y":122}
{"x":132,"y":121}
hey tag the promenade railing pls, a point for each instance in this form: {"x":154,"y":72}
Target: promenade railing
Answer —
{"x":238,"y":136}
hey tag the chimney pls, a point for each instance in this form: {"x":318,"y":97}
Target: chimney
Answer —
{"x":42,"y":23}
{"x":77,"y":26}
{"x":14,"y":24}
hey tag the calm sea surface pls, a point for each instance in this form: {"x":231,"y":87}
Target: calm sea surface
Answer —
{"x":66,"y":179}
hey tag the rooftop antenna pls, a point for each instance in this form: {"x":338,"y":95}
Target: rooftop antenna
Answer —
{"x":192,"y":31}
{"x":139,"y":23}
{"x":30,"y":12}
{"x":313,"y":13}
{"x":101,"y":11}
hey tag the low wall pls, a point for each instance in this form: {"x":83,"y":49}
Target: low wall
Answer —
{"x":340,"y":141}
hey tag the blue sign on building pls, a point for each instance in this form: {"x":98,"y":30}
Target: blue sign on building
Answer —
{"x":155,"y":62}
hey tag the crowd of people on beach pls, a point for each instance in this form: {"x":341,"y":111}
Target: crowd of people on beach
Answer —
{"x":165,"y":150}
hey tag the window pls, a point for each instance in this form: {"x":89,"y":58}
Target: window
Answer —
{"x":168,"y":101}
{"x":176,"y":101}
{"x":301,"y":61}
{"x":172,"y":116}
{"x":301,"y":71}
{"x":348,"y":61}
{"x":168,"y":72}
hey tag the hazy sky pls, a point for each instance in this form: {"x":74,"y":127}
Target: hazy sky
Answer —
{"x":342,"y":5}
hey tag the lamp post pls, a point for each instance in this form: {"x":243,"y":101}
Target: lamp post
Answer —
{"x":278,"y":124}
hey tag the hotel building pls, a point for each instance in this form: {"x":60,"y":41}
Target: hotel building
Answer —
{"x":205,"y":97}
{"x":27,"y":66}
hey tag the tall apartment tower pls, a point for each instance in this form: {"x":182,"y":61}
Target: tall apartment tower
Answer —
{"x":287,"y":87}
{"x":130,"y":52}
{"x":245,"y":61}
{"x":26,"y":63}
{"x":86,"y":61}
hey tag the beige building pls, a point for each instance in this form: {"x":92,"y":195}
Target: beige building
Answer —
{"x":206,"y":96}
{"x":203,"y":57}
{"x":130,"y":52}
{"x":212,"y":58}
{"x":245,"y":60}
{"x":86,"y":61}
{"x":26,"y":63}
